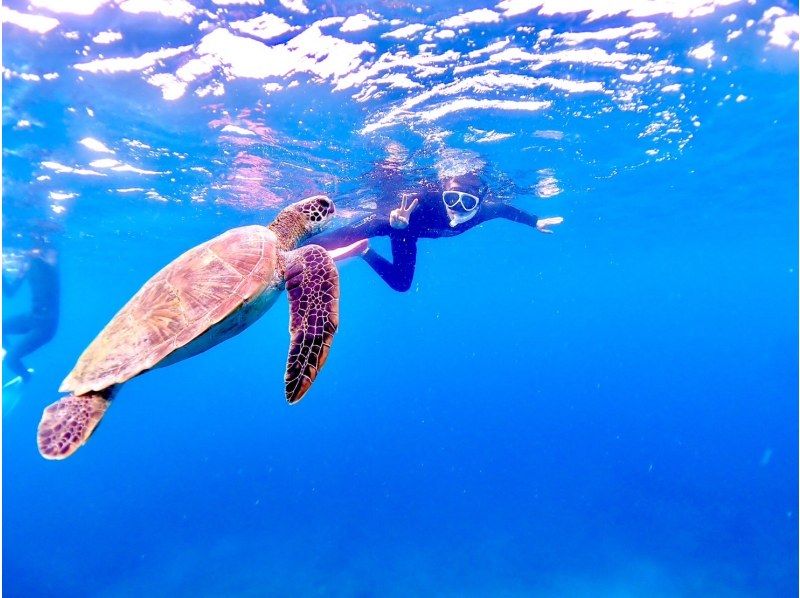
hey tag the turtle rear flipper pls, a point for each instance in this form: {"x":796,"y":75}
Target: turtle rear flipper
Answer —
{"x":312,"y":283}
{"x":67,"y":424}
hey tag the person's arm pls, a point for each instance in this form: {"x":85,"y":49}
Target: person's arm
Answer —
{"x":347,"y":235}
{"x":490,"y":211}
{"x":399,"y":273}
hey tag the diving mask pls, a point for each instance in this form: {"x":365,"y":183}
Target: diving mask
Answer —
{"x":460,"y":206}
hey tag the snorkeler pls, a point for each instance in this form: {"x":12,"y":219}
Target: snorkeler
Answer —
{"x":38,"y":326}
{"x":454,"y":207}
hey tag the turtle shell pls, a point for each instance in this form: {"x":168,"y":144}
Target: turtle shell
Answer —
{"x":177,"y":305}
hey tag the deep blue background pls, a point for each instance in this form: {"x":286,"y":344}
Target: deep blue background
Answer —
{"x":607,"y":411}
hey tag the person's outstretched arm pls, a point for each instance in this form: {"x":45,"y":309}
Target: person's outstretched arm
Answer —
{"x":490,"y":211}
{"x":371,"y":226}
{"x":399,"y":273}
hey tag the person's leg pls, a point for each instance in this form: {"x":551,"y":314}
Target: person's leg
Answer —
{"x":41,"y":332}
{"x":399,"y":273}
{"x":14,"y":326}
{"x":19,"y":324}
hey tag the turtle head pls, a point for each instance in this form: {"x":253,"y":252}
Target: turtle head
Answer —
{"x":302,"y":219}
{"x":317,"y":210}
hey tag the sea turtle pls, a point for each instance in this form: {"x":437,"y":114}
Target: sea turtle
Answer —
{"x":205,"y":296}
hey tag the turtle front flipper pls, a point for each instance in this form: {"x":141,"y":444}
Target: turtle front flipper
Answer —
{"x":67,"y":424}
{"x":312,"y":283}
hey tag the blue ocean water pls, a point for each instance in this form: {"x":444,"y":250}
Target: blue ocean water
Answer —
{"x":610,"y":410}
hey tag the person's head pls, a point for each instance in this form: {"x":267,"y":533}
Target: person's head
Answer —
{"x":462,"y":197}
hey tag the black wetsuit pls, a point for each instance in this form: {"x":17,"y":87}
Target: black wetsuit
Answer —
{"x":39,"y":325}
{"x":428,"y":221}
